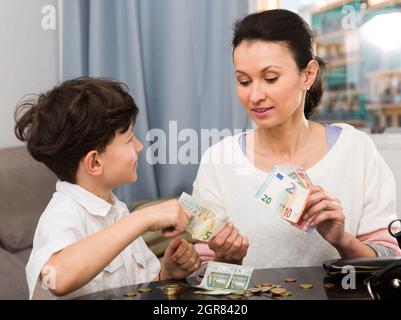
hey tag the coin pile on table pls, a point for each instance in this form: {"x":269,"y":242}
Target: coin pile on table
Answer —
{"x":266,"y":289}
{"x":170,"y":289}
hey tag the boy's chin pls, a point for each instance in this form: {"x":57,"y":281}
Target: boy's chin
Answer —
{"x":127,"y":180}
{"x":133,"y":179}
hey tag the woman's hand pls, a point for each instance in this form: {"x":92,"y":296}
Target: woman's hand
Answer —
{"x":180,"y":260}
{"x":229,"y":245}
{"x":325,"y":212}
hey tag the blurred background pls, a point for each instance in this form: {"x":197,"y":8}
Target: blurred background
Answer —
{"x":175,"y":57}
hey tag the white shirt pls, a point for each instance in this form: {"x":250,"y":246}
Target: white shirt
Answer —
{"x":353,"y":171}
{"x":73,"y":214}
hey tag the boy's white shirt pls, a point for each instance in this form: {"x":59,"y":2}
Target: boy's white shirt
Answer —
{"x":73,"y":214}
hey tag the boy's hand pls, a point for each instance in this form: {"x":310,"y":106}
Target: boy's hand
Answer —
{"x":168,"y":216}
{"x":229,"y":245}
{"x":180,"y":260}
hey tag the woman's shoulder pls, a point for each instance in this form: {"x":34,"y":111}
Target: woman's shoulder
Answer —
{"x":352,"y":135}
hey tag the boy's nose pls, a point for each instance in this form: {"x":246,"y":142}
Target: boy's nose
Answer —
{"x":138,"y":145}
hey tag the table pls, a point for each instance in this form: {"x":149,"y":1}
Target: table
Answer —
{"x":310,"y":275}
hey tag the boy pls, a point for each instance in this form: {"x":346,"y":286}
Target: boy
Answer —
{"x":86,"y":240}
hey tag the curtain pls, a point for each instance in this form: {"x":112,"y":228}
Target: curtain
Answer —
{"x":176,"y":58}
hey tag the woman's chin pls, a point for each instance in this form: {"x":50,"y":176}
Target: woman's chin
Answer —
{"x":265,"y":123}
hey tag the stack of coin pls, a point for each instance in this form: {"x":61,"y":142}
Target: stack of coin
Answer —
{"x":275,"y":290}
{"x":169,"y":289}
{"x":144,"y":290}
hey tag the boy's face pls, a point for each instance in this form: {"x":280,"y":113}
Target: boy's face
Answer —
{"x":119,"y":160}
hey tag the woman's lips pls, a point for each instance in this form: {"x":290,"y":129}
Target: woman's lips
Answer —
{"x":262,"y":112}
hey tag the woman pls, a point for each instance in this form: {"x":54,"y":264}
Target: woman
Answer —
{"x":353,"y":198}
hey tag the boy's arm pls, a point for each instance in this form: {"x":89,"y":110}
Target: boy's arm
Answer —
{"x":80,"y":262}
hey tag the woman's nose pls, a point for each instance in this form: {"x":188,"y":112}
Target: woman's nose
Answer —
{"x":257,"y":94}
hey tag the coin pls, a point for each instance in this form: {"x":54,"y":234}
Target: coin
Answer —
{"x":267,"y":284}
{"x":169,"y":286}
{"x":242,"y":292}
{"x":234,"y":296}
{"x":130,"y":294}
{"x":170,"y":291}
{"x":144,"y":290}
{"x":278,"y":291}
{"x":286,"y":294}
{"x":329,"y":285}
{"x":255,"y":290}
{"x":306,"y":286}
{"x":290,"y":280}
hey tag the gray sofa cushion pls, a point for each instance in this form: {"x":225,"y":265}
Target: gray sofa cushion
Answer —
{"x":23,"y":255}
{"x":26,"y":187}
{"x":12,"y":277}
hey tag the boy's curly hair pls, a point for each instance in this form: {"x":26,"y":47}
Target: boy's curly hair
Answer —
{"x":73,"y":118}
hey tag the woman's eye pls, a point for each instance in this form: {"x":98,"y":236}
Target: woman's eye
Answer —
{"x":243,"y":83}
{"x":271,"y":80}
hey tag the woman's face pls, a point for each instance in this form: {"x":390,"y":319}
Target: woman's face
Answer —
{"x":270,"y":85}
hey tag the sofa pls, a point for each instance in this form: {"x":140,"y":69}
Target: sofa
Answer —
{"x":26,"y":187}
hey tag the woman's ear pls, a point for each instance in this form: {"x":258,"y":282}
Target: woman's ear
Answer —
{"x":311,"y":72}
{"x":92,"y":163}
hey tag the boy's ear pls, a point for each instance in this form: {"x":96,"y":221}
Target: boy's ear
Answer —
{"x":311,"y":72}
{"x":92,"y":163}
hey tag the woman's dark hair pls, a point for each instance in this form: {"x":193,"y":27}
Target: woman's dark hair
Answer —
{"x":73,"y":118}
{"x":290,"y":29}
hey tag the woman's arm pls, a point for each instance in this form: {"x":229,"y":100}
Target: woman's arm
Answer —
{"x":325,"y":212}
{"x":351,"y":248}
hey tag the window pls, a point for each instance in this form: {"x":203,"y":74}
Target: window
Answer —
{"x":359,"y":41}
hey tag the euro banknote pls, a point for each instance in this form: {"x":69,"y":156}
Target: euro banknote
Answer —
{"x":225,"y":278}
{"x":205,"y":222}
{"x":283,"y":195}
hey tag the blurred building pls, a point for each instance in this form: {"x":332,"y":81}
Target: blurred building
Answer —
{"x":362,"y":80}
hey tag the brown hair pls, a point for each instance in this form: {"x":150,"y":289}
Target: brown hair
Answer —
{"x":289,"y":28}
{"x":73,"y":118}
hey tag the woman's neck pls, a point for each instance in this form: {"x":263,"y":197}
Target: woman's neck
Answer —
{"x":285,"y":140}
